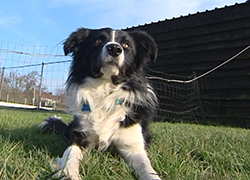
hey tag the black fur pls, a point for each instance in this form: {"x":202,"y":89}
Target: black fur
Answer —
{"x":56,"y":126}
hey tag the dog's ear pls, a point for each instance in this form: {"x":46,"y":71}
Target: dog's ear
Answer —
{"x":72,"y":43}
{"x":146,"y":44}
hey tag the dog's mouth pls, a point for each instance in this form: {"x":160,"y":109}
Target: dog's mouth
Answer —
{"x":110,"y":67}
{"x":112,"y":62}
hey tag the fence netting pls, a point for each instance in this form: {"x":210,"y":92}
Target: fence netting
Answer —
{"x":34,"y":76}
{"x":177,"y":101}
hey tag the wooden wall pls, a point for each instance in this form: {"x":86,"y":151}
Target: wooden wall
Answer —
{"x":198,"y":43}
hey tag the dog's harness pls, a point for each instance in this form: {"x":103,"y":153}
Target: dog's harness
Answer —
{"x":85,"y":107}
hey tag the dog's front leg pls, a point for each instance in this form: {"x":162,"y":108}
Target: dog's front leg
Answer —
{"x":141,"y":164}
{"x":69,"y":163}
{"x":131,"y":147}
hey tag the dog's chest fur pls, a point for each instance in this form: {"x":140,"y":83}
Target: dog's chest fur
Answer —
{"x":107,"y":109}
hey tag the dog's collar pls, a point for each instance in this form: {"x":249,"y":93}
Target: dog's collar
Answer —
{"x":85,"y":107}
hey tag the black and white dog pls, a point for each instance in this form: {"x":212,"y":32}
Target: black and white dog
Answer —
{"x":110,"y":98}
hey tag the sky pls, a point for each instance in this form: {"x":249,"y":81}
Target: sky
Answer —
{"x":48,"y":22}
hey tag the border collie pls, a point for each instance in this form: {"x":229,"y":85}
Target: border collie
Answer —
{"x":110,"y":98}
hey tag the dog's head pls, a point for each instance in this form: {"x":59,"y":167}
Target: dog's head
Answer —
{"x":108,"y":53}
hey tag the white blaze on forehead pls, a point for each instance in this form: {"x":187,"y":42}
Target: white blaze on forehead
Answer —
{"x":113,"y":36}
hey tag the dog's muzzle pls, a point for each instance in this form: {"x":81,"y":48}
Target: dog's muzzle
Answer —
{"x":113,"y":54}
{"x":114,"y":50}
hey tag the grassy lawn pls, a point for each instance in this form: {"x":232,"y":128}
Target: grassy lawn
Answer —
{"x":177,"y":151}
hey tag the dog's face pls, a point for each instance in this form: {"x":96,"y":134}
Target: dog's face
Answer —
{"x":106,"y":53}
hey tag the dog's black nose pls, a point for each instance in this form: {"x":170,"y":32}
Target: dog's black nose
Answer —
{"x":114,"y":49}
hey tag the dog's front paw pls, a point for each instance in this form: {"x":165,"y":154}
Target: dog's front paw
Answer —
{"x":150,"y":176}
{"x":155,"y":176}
{"x":66,"y":175}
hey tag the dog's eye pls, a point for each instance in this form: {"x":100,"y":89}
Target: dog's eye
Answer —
{"x":98,"y":41}
{"x":125,"y":45}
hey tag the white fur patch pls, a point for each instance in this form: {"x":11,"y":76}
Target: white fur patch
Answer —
{"x":105,"y":116}
{"x":113,"y":36}
{"x":103,"y":121}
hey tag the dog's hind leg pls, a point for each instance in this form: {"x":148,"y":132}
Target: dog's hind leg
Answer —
{"x":131,"y":147}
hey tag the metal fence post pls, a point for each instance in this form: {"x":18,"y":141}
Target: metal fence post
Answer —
{"x":2,"y":81}
{"x":40,"y":88}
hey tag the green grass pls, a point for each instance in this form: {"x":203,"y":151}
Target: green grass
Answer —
{"x":177,"y":151}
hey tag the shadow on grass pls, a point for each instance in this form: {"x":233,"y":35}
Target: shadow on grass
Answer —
{"x":25,"y":151}
{"x":30,"y":135}
{"x":32,"y":138}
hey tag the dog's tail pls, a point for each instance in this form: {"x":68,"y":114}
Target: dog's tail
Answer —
{"x":54,"y":125}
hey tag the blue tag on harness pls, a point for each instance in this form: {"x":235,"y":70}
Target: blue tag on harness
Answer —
{"x":118,"y":101}
{"x":85,"y":107}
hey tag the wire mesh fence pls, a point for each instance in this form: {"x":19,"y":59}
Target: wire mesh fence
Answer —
{"x":177,"y":101}
{"x":34,"y":76}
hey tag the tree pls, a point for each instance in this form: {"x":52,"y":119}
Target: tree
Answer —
{"x":60,"y":94}
{"x":21,"y":87}
{"x":14,"y":83}
{"x":31,"y":81}
{"x":30,"y":84}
